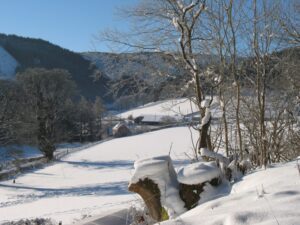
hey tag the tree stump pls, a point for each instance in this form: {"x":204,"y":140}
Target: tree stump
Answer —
{"x":193,"y":178}
{"x":190,"y":193}
{"x":150,"y":193}
{"x":155,"y":180}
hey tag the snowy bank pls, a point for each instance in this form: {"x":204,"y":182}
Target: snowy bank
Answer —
{"x":264,"y":197}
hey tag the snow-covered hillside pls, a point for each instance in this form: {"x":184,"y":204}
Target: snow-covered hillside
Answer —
{"x":93,"y":182}
{"x":89,"y":182}
{"x":8,"y":64}
{"x":172,"y":107}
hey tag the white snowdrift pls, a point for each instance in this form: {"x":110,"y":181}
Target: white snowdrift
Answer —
{"x":264,"y":197}
{"x":199,"y":172}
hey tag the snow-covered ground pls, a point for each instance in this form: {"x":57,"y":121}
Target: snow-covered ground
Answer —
{"x":88,"y":182}
{"x":8,"y":64}
{"x":264,"y":197}
{"x":12,"y":155}
{"x":173,"y":107}
{"x":93,"y":181}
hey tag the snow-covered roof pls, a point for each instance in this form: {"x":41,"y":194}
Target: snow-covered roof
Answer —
{"x":199,"y":172}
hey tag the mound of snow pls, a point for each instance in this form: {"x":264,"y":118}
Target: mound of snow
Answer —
{"x":199,"y":172}
{"x":8,"y":64}
{"x":264,"y":197}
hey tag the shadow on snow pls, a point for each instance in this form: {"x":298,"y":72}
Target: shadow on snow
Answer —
{"x":101,"y":164}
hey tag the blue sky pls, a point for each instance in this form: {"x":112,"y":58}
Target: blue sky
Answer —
{"x":68,"y":23}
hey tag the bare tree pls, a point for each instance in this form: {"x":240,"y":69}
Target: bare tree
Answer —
{"x":289,"y":21}
{"x":46,"y":94}
{"x":174,"y":27}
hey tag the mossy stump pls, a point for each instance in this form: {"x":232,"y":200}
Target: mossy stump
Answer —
{"x":150,"y":193}
{"x":190,"y":193}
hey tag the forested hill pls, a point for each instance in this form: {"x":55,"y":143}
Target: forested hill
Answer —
{"x":29,"y":52}
{"x":127,"y":79}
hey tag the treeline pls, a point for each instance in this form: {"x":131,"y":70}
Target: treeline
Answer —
{"x":41,"y":108}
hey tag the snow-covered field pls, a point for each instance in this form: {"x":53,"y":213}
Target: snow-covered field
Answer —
{"x":88,"y":182}
{"x":173,"y":107}
{"x":93,"y":181}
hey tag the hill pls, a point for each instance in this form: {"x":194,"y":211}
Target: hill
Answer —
{"x":126,"y":80}
{"x":141,"y":77}
{"x":30,"y":52}
{"x":121,"y":78}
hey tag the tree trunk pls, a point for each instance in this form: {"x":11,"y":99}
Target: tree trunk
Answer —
{"x":204,"y":136}
{"x":150,"y":193}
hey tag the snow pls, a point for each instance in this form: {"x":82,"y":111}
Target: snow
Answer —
{"x":173,"y":107}
{"x":198,"y":173}
{"x":205,"y":103}
{"x":117,"y":126}
{"x":235,"y":173}
{"x":214,"y":155}
{"x":8,"y":64}
{"x":91,"y":181}
{"x":175,"y":22}
{"x":160,"y":118}
{"x":264,"y":197}
{"x":160,"y":169}
{"x":206,"y":117}
{"x":152,"y":167}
